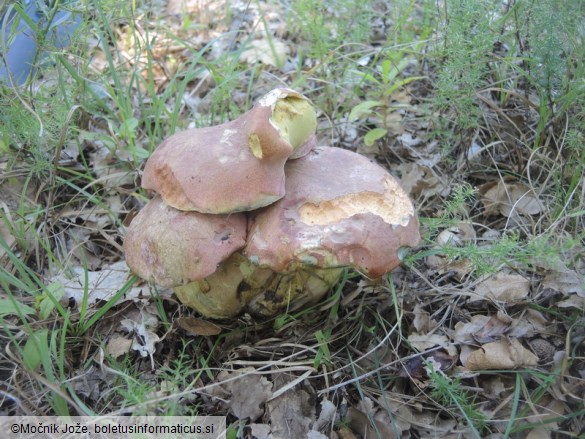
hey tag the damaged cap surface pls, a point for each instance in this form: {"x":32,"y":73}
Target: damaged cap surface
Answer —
{"x":340,"y":209}
{"x":236,"y":166}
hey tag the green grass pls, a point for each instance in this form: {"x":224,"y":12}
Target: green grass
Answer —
{"x":475,"y":72}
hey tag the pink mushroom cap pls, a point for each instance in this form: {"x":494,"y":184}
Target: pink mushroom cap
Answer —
{"x":340,"y":209}
{"x":173,"y":247}
{"x":237,"y":166}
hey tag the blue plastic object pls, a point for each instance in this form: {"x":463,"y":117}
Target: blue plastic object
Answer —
{"x":18,"y":48}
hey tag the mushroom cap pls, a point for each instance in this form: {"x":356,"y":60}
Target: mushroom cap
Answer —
{"x":340,"y":209}
{"x":173,"y":247}
{"x":236,"y":166}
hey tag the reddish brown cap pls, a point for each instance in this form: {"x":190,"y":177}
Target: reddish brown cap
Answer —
{"x":173,"y":247}
{"x":340,"y":209}
{"x":236,"y":166}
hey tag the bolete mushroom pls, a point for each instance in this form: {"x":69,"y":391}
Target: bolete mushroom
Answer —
{"x":236,"y":166}
{"x":172,"y":247}
{"x":340,"y":210}
{"x":236,"y":226}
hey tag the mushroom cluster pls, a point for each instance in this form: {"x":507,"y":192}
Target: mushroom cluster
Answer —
{"x":251,"y":215}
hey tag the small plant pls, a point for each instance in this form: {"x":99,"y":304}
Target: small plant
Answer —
{"x":468,"y":37}
{"x":385,"y":82}
{"x":447,"y":392}
{"x":326,"y":28}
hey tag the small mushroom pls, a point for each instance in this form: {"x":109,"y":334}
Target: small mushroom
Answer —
{"x":236,"y":166}
{"x":171,"y":247}
{"x":340,"y":209}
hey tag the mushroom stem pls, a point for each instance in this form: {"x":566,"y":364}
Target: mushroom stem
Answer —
{"x":238,"y":284}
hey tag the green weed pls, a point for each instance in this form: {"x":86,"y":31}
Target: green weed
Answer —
{"x":447,"y":392}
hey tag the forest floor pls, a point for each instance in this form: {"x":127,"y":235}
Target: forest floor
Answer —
{"x":477,"y":110}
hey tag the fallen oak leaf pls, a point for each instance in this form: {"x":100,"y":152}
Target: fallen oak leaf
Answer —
{"x":243,"y":391}
{"x":195,"y":326}
{"x":87,"y":287}
{"x":272,"y":53}
{"x":503,"y":287}
{"x":509,"y":198}
{"x":143,"y":324}
{"x":422,"y":181}
{"x":360,"y":424}
{"x":566,"y":281}
{"x":493,"y":328}
{"x":118,"y":346}
{"x":291,"y":414}
{"x":423,"y":342}
{"x":508,"y":353}
{"x":261,"y":431}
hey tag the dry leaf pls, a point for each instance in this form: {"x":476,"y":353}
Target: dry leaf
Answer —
{"x":457,"y":235}
{"x":494,"y":387}
{"x":143,"y":324}
{"x":111,"y":169}
{"x":403,"y":417}
{"x":482,"y":329}
{"x":393,"y":122}
{"x":555,"y":409}
{"x":423,"y":342}
{"x":326,"y":416}
{"x":532,"y":322}
{"x":400,"y":420}
{"x":291,"y":414}
{"x":421,"y":181}
{"x":195,"y":326}
{"x":507,"y":353}
{"x":16,"y":192}
{"x":442,"y":359}
{"x":243,"y":391}
{"x":504,"y":287}
{"x":460,"y":268}
{"x":413,"y":368}
{"x":118,"y":346}
{"x":312,"y":434}
{"x":422,"y":320}
{"x":508,"y":198}
{"x":91,"y":382}
{"x":101,"y":285}
{"x":572,"y":302}
{"x":410,"y":140}
{"x":566,"y":281}
{"x":539,"y":433}
{"x":261,"y":431}
{"x":360,"y":424}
